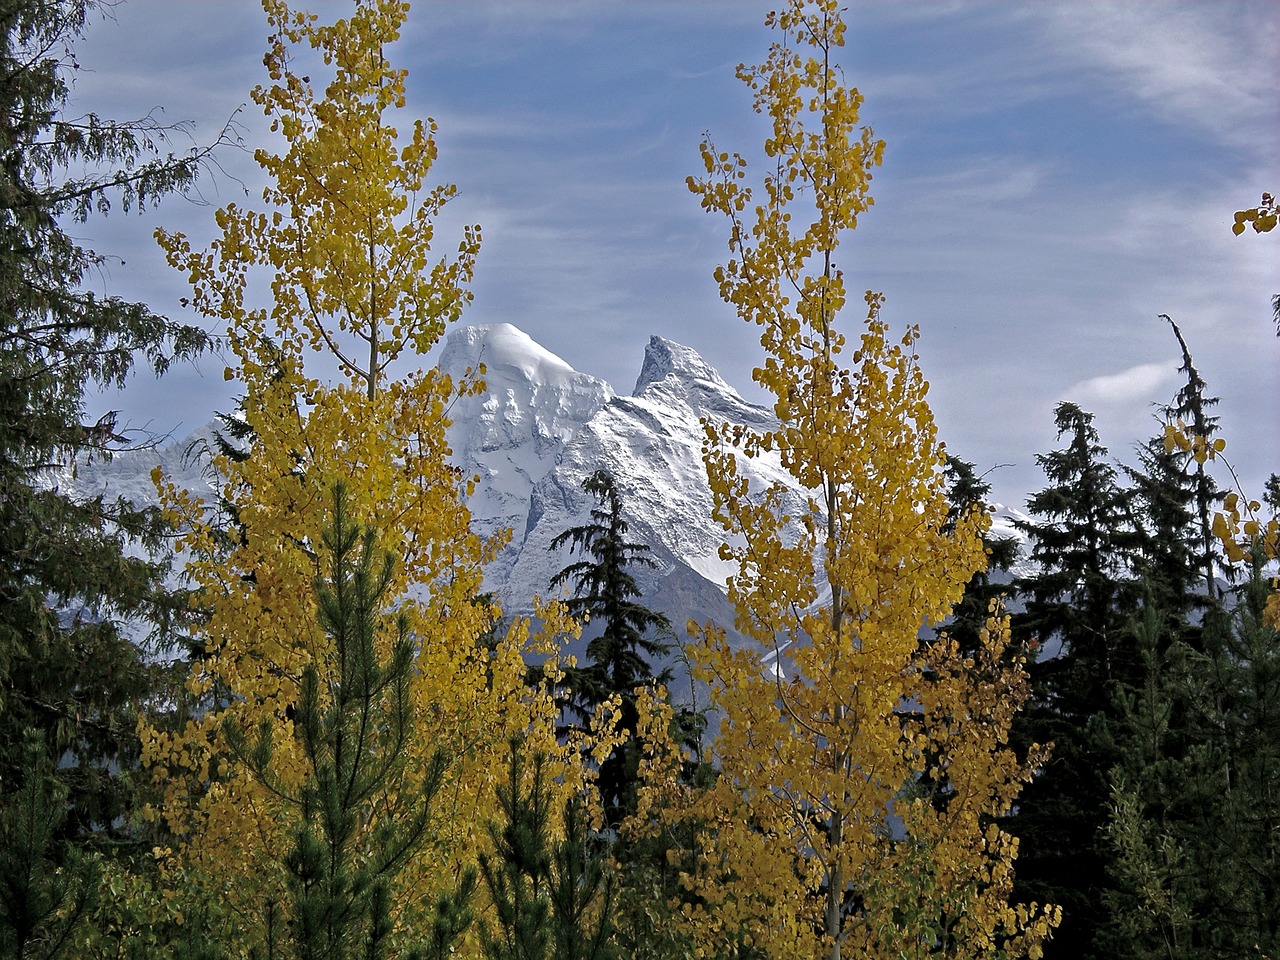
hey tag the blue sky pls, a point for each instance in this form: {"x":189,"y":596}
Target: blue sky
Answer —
{"x":1057,"y":175}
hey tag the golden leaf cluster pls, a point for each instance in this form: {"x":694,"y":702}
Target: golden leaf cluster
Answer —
{"x":1239,"y":526}
{"x":1262,"y":217}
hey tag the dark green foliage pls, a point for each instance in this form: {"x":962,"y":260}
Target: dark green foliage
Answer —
{"x":1195,"y":817}
{"x":1154,"y":883}
{"x":354,"y":722}
{"x":1153,"y":679}
{"x":1166,"y":557}
{"x":516,"y":874}
{"x":1192,"y":405}
{"x":1244,"y":681}
{"x":551,"y":900}
{"x":1077,"y":607}
{"x":65,"y":578}
{"x":967,"y":492}
{"x":617,"y":659}
{"x":46,"y":884}
{"x":1082,"y":593}
{"x":605,"y":590}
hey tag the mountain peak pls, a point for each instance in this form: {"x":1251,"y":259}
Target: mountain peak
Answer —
{"x":666,"y":358}
{"x":508,"y":353}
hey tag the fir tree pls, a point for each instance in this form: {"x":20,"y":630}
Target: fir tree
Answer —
{"x":1077,"y":606}
{"x":66,"y":581}
{"x":618,"y":658}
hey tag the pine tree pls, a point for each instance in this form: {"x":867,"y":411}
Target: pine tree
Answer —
{"x":67,"y":581}
{"x":552,"y":899}
{"x":359,"y":817}
{"x":1247,"y":667}
{"x":1155,"y":883}
{"x":1194,"y":809}
{"x":619,"y":658}
{"x":47,"y":884}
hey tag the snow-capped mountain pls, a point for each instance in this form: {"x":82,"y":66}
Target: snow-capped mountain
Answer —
{"x":539,"y":428}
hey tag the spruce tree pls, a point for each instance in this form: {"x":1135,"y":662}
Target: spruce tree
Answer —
{"x":1167,"y":557}
{"x":1192,"y":407}
{"x":1077,"y":606}
{"x":66,"y":580}
{"x":618,"y":659}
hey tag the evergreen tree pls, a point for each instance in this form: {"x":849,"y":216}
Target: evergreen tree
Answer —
{"x":1165,"y":729}
{"x":1246,"y":672}
{"x":66,"y":670}
{"x":359,"y":816}
{"x":46,"y":884}
{"x":1191,"y":406}
{"x":1077,"y":606}
{"x":967,"y":491}
{"x":1167,"y":558}
{"x":1155,"y":884}
{"x":552,"y":900}
{"x":618,"y":658}
{"x":1195,"y":809}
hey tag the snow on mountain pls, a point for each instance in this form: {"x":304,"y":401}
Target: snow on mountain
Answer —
{"x":531,"y":437}
{"x":541,"y":428}
{"x":127,"y":475}
{"x":511,"y":436}
{"x":652,"y":444}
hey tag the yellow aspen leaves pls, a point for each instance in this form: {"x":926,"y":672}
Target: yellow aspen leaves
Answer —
{"x":1238,"y":526}
{"x":859,"y":780}
{"x":345,"y":279}
{"x":1262,"y":217}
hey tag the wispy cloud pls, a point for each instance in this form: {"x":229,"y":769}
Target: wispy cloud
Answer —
{"x":1212,"y":65}
{"x":1144,"y":382}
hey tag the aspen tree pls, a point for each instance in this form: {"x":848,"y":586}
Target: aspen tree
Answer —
{"x":853,"y":815}
{"x":344,"y":243}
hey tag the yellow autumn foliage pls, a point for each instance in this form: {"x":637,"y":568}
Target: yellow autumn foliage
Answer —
{"x":1262,"y":217}
{"x":1239,"y":526}
{"x":862,"y":768}
{"x":343,"y":248}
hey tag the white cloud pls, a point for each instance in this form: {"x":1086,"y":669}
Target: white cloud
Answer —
{"x":1142,"y":383}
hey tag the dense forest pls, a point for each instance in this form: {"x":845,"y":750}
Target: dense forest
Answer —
{"x":334,"y":743}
